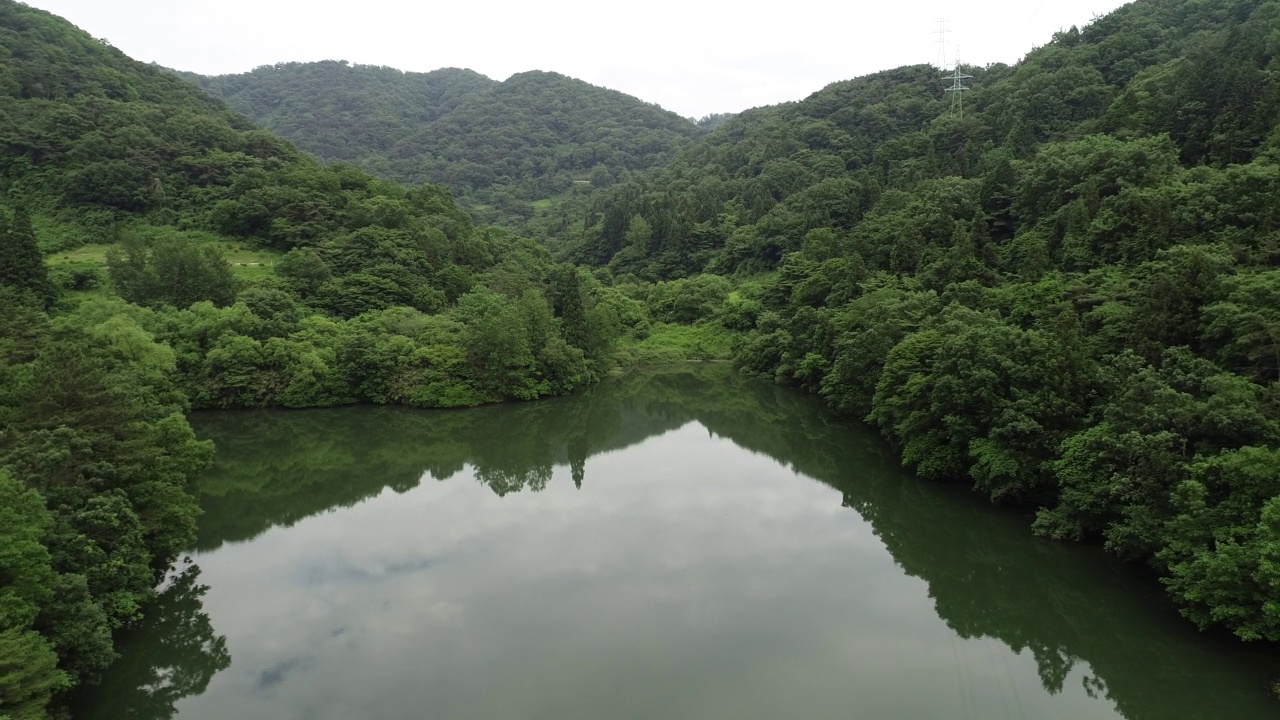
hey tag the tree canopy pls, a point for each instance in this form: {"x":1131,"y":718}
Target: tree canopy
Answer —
{"x":501,"y":146}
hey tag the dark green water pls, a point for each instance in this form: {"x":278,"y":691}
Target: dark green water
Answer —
{"x":683,"y":544}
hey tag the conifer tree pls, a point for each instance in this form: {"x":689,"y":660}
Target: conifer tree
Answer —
{"x":572,"y":311}
{"x":21,"y":264}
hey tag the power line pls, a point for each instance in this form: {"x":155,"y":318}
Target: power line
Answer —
{"x":1022,"y":32}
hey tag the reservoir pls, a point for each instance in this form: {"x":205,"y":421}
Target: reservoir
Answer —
{"x":677,"y":543}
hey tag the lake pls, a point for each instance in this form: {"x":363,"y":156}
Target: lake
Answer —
{"x":680,"y":543}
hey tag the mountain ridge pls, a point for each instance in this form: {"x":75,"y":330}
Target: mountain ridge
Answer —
{"x":501,"y":146}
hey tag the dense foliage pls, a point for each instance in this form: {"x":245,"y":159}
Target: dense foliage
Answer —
{"x":95,"y":458}
{"x":369,"y":292}
{"x":339,"y":111}
{"x":501,"y":146}
{"x":1066,"y":298}
{"x":374,"y":291}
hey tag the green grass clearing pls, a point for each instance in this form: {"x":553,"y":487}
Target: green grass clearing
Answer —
{"x":247,"y":262}
{"x":86,"y":254}
{"x":667,"y":343}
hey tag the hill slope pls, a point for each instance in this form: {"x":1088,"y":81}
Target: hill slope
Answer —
{"x":1202,"y":74}
{"x":1065,"y":298}
{"x":339,"y":111}
{"x":500,"y":145}
{"x":368,"y":292}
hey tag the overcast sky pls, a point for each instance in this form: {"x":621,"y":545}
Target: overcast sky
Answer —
{"x":688,"y":56}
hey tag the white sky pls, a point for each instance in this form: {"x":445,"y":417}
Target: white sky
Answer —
{"x":688,"y":56}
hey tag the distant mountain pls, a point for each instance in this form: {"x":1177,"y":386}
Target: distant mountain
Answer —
{"x":341,"y":111}
{"x":501,"y":145}
{"x":538,"y":131}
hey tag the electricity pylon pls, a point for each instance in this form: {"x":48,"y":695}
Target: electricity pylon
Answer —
{"x":957,"y":88}
{"x":941,"y":32}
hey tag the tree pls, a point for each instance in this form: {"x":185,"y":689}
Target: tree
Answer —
{"x":498,"y":344}
{"x":1117,"y":478}
{"x":28,"y":665}
{"x":304,"y":269}
{"x":170,"y":271}
{"x":29,"y":674}
{"x":21,"y":263}
{"x":1243,"y":330}
{"x":976,"y":397}
{"x":570,"y":308}
{"x":1222,"y":546}
{"x":867,"y":329}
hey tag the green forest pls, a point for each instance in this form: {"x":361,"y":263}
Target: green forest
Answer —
{"x":512,"y":150}
{"x":1066,"y":297}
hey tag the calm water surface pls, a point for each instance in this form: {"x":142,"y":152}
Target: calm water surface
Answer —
{"x":683,"y":544}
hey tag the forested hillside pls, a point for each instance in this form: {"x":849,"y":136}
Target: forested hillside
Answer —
{"x":502,"y":147}
{"x":104,"y":150}
{"x":1067,"y":297}
{"x":339,"y":111}
{"x":360,"y":290}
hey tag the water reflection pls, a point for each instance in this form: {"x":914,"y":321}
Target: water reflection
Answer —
{"x":182,"y":654}
{"x":649,"y":553}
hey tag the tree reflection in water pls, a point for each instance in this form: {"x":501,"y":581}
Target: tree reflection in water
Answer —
{"x":181,"y":655}
{"x":987,"y":575}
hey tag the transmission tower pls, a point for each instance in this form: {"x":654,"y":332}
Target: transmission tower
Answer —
{"x":941,"y":32}
{"x":957,"y":88}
